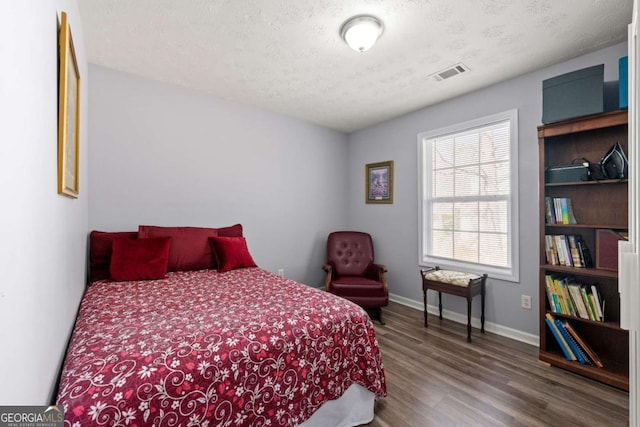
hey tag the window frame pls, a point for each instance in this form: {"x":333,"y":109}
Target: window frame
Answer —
{"x":425,"y":174}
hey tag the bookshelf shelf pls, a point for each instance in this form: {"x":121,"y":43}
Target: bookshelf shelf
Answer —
{"x":611,"y":226}
{"x":572,"y":183}
{"x":597,"y":205}
{"x":599,"y":374}
{"x":611,"y":325}
{"x":580,"y":271}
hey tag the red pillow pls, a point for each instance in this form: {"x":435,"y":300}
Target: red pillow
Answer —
{"x":231,"y":231}
{"x":139,"y":259}
{"x":190,"y":248}
{"x":100,"y":249}
{"x":231,"y":253}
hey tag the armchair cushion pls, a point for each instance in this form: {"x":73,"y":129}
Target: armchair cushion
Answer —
{"x":357,"y":286}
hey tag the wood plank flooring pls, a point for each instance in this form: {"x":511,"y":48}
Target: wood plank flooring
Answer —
{"x":435,"y":378}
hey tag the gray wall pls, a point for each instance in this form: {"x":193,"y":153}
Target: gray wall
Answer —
{"x":43,"y":234}
{"x":395,"y":227}
{"x":164,"y":155}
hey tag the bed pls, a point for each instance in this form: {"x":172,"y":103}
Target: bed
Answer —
{"x":215,"y":347}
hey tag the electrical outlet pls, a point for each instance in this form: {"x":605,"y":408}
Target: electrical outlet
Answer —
{"x":281,"y":272}
{"x":526,"y":302}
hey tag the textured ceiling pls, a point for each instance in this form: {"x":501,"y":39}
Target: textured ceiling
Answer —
{"x":287,"y":56}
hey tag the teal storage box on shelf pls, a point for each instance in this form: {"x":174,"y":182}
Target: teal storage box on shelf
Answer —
{"x":623,"y":83}
{"x":575,"y":94}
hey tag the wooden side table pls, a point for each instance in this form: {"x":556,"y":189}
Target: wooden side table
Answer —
{"x":454,"y":283}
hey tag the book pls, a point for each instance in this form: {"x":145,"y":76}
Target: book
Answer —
{"x":556,"y":245}
{"x":557,"y":291}
{"x":565,"y":210}
{"x":588,"y":350}
{"x":550,"y":250}
{"x":587,"y":303}
{"x":560,"y":246}
{"x":566,"y":251}
{"x":549,"y":215}
{"x":557,"y":204}
{"x":596,"y":315}
{"x":565,"y":297}
{"x":575,"y":348}
{"x":552,"y":305}
{"x":559,"y":338}
{"x":559,"y":210}
{"x":585,"y":255}
{"x":575,"y":254}
{"x":597,"y":301}
{"x":574,"y":290}
{"x":570,"y":215}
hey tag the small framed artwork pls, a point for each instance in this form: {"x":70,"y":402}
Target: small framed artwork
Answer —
{"x":379,"y":182}
{"x":68,"y":114}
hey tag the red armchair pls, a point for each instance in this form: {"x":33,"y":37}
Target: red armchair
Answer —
{"x":352,"y":273}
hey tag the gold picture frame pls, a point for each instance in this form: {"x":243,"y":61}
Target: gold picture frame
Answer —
{"x":379,"y":182}
{"x":68,"y":114}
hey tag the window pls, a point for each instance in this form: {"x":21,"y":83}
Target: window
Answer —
{"x":468,"y":196}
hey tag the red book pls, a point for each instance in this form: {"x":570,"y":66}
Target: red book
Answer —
{"x":592,"y":355}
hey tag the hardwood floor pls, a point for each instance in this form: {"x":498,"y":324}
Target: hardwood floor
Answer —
{"x":435,"y":378}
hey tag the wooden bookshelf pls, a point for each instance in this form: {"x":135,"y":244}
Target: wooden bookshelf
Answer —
{"x":597,"y":205}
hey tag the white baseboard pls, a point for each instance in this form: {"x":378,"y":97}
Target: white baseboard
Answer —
{"x":475,"y":321}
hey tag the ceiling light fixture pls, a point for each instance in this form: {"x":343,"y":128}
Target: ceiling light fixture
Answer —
{"x":361,"y":32}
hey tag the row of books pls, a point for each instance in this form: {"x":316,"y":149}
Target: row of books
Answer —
{"x":559,"y":210}
{"x":574,"y":299}
{"x":572,"y":344}
{"x":567,"y":250}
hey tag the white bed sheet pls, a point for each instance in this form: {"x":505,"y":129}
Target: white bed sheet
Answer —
{"x":353,"y":408}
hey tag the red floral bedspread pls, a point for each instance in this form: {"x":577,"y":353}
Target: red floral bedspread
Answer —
{"x":214,"y":349}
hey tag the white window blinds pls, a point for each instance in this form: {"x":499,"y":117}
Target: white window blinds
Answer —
{"x":467,"y":200}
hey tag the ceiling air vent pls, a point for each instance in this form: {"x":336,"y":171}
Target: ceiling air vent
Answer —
{"x":454,"y":70}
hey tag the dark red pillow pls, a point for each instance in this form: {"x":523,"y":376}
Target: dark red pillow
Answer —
{"x":231,"y":253}
{"x":190,"y":248}
{"x":139,"y":259}
{"x":100,"y":249}
{"x":231,"y":231}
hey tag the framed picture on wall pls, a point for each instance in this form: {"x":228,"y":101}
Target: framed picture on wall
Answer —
{"x":68,"y":114}
{"x":379,"y":182}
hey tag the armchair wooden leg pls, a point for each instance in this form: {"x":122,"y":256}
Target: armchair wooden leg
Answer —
{"x":375,"y":314}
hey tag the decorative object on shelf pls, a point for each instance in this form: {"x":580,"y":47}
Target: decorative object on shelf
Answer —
{"x":568,"y":173}
{"x":607,"y":248}
{"x":614,"y":164}
{"x":379,"y":182}
{"x":575,"y":94}
{"x":623,"y":79}
{"x":68,"y":114}
{"x":361,"y":32}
